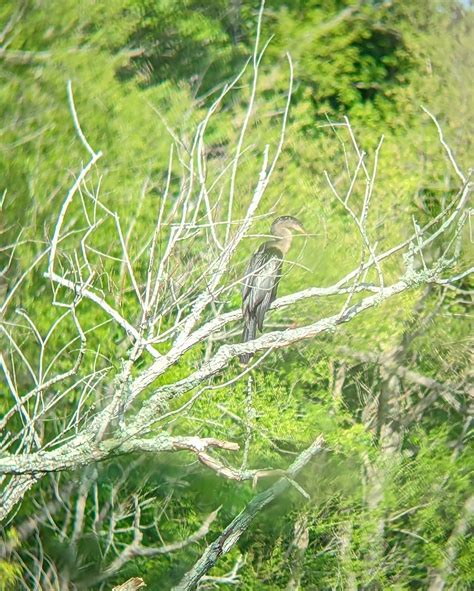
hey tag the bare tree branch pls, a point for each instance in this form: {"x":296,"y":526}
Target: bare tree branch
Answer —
{"x":232,"y":533}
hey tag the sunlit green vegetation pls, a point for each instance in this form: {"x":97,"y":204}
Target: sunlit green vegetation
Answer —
{"x":145,"y":69}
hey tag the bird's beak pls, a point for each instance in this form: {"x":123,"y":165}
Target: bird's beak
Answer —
{"x":301,"y":230}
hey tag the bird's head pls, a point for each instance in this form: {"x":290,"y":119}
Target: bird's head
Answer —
{"x":285,"y":225}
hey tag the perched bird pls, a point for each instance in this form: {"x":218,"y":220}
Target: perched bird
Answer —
{"x":262,"y":276}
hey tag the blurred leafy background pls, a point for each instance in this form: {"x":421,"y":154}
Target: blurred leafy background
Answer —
{"x":373,"y":61}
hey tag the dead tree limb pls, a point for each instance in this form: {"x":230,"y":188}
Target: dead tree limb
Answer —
{"x":232,"y":533}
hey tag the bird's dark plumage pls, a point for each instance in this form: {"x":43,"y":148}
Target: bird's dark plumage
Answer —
{"x":260,"y":283}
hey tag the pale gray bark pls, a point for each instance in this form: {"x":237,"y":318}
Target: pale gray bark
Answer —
{"x":232,"y":533}
{"x":440,"y":576}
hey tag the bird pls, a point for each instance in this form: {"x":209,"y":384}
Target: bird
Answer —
{"x":263,"y":274}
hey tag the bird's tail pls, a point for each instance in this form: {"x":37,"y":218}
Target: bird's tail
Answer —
{"x":250,"y":332}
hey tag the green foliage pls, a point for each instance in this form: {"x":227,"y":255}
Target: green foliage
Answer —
{"x":169,"y":46}
{"x":139,"y":67}
{"x":10,"y":575}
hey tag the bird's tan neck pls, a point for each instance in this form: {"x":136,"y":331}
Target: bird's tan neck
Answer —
{"x":283,"y":240}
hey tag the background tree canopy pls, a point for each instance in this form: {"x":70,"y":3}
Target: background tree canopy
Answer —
{"x":388,"y":503}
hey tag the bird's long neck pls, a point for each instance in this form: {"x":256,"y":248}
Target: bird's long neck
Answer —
{"x":282,"y":240}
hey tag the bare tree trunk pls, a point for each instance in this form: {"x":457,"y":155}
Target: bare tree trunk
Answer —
{"x":439,"y":576}
{"x":234,"y":17}
{"x":350,"y":578}
{"x":298,"y":550}
{"x":390,"y":442}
